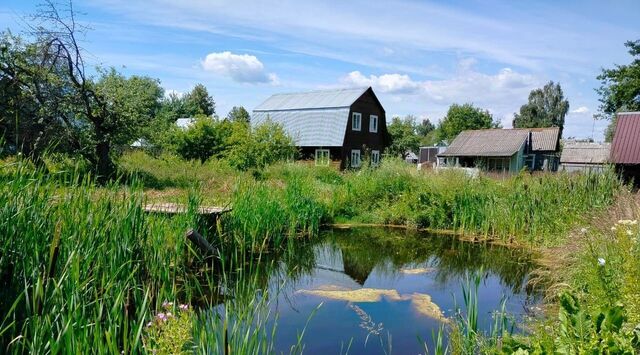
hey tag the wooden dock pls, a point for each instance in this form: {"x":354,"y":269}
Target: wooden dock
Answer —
{"x":175,"y":208}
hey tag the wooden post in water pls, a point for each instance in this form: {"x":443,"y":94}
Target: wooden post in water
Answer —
{"x":202,"y":244}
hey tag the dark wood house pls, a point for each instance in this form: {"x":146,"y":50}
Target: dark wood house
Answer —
{"x":343,"y":126}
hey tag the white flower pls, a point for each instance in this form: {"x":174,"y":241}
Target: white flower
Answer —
{"x":583,"y":230}
{"x":629,"y":233}
{"x":613,"y":229}
{"x":601,"y":261}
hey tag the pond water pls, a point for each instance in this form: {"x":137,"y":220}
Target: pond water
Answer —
{"x":378,"y":286}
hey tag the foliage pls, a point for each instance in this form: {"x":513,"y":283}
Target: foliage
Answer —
{"x":546,"y":107}
{"x":258,"y":146}
{"x":239,"y":114}
{"x":404,"y":137}
{"x":582,"y":332}
{"x":133,"y":103}
{"x":170,"y":331}
{"x":464,"y":117}
{"x":205,"y":138}
{"x":199,"y":102}
{"x":620,"y":88}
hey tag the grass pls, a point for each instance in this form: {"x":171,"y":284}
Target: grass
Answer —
{"x":83,"y":268}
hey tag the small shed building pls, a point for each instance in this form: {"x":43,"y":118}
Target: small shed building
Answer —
{"x":582,"y":156}
{"x":344,"y":126}
{"x":504,"y":150}
{"x":625,"y":148}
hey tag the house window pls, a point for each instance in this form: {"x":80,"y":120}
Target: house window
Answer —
{"x":356,"y":121}
{"x":373,"y":123}
{"x":322,"y":157}
{"x":375,"y":157}
{"x":355,"y":158}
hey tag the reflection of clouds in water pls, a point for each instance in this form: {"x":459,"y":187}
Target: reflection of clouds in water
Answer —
{"x":421,"y":302}
{"x":417,"y":271}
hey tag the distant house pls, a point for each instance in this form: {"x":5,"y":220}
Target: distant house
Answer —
{"x":344,"y":126}
{"x":428,"y":156}
{"x":582,"y":156}
{"x":625,"y":148}
{"x":411,"y":157}
{"x":504,"y":150}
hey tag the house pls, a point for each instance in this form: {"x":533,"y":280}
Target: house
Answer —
{"x":625,"y":148}
{"x":504,"y":150}
{"x":583,"y":156}
{"x":344,"y":126}
{"x":428,"y":156}
{"x":411,"y":157}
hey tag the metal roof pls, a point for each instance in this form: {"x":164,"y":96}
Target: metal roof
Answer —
{"x":625,"y":148}
{"x":313,"y":119}
{"x":338,"y":98}
{"x":310,"y":128}
{"x":544,"y":139}
{"x":487,"y":143}
{"x":585,"y":153}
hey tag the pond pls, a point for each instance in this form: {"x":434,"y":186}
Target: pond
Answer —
{"x":371,"y":289}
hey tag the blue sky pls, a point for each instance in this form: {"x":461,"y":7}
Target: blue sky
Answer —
{"x":419,"y":56}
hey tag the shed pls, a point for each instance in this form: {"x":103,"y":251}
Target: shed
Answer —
{"x":341,"y":125}
{"x":582,"y":156}
{"x":625,"y":148}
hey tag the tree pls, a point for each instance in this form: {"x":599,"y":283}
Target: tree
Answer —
{"x":425,"y":127}
{"x":620,"y":88}
{"x":199,"y":102}
{"x":404,"y":138}
{"x":257,"y":147}
{"x":547,"y":107}
{"x":204,"y":139}
{"x":238,"y":114}
{"x":464,"y":117}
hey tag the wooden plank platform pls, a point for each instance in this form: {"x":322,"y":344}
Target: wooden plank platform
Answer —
{"x":175,"y":208}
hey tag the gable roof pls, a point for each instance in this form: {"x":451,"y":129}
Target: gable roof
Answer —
{"x":338,"y":98}
{"x":585,"y":153}
{"x":313,"y":119}
{"x":625,"y":148}
{"x":544,"y":139}
{"x":487,"y":143}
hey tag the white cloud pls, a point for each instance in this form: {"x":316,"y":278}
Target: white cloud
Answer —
{"x":243,"y":68}
{"x":389,"y":83}
{"x":581,"y":109}
{"x":501,"y":93}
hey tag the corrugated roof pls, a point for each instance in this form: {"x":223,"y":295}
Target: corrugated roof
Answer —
{"x":585,"y":153}
{"x":310,"y":128}
{"x":338,"y":98}
{"x":544,"y":139}
{"x":487,"y":143}
{"x":625,"y":148}
{"x":313,"y":119}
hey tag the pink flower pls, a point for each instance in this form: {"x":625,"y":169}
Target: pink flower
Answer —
{"x":167,"y":304}
{"x":161,"y":316}
{"x":184,"y":307}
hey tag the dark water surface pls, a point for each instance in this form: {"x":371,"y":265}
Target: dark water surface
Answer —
{"x":374,"y":285}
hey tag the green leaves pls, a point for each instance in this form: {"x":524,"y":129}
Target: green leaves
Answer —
{"x":464,"y":117}
{"x":547,"y":107}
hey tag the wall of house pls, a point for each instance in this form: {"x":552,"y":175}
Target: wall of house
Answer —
{"x":309,"y":154}
{"x":581,"y":167}
{"x":364,"y":140}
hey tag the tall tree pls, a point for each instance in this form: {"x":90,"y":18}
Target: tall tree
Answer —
{"x":547,"y":107}
{"x":239,"y":114}
{"x":425,"y":127}
{"x":464,"y":117}
{"x":199,"y":102}
{"x":404,"y":137}
{"x":620,"y":88}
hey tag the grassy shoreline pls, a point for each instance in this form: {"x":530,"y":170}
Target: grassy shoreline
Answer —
{"x":92,"y":256}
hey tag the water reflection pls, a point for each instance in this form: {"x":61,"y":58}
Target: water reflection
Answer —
{"x":395,"y":283}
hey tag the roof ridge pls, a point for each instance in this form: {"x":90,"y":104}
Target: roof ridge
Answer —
{"x":362,"y":88}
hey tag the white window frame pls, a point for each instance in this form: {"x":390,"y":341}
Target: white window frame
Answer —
{"x":320,"y":161}
{"x":373,"y":119}
{"x":356,"y":162}
{"x":357,"y":127}
{"x":375,"y":157}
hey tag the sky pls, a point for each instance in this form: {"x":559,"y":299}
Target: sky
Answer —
{"x":419,"y":56}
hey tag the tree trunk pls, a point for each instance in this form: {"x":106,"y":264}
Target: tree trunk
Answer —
{"x":105,"y":166}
